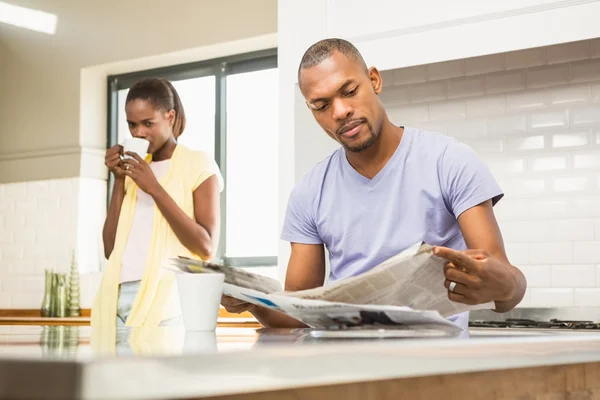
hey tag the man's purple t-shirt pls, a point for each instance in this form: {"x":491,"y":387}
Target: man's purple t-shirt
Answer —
{"x":419,"y":194}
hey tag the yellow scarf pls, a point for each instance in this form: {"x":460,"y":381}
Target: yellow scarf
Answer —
{"x":157,"y":298}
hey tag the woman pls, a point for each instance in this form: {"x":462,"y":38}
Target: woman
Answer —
{"x":164,"y":206}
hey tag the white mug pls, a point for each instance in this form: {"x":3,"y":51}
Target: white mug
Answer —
{"x":135,"y":145}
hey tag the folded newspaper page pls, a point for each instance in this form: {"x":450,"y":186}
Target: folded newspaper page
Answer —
{"x":405,"y":289}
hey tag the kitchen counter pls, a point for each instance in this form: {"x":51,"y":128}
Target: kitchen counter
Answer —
{"x":248,"y":364}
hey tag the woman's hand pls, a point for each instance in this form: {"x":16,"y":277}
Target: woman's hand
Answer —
{"x":112,"y":160}
{"x":139,"y":170}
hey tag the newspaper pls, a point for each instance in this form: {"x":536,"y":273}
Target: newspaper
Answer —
{"x":405,"y":289}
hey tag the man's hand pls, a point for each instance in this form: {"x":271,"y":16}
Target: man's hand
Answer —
{"x":141,"y":173}
{"x":234,"y":305}
{"x":478,"y":276}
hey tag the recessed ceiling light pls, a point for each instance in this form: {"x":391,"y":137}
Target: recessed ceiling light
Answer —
{"x":28,"y":18}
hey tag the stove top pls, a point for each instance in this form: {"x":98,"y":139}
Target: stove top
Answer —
{"x":529,"y":323}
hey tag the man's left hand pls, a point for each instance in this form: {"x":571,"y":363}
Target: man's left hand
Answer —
{"x":141,"y":173}
{"x":478,"y":276}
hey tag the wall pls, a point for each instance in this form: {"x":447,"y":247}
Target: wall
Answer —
{"x":53,"y":120}
{"x":534,"y":118}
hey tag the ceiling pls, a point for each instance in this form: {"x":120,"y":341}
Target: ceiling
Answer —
{"x":92,"y":32}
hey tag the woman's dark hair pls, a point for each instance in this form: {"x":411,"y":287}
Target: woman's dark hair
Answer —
{"x":163,"y":96}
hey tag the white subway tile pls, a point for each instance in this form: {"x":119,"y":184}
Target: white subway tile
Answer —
{"x":533,"y":186}
{"x":526,"y":100}
{"x":404,"y":76}
{"x":548,"y":119}
{"x":512,"y":209}
{"x":447,"y":110}
{"x":597,"y":135}
{"x":551,"y":163}
{"x":549,"y":208}
{"x":573,"y":276}
{"x":23,"y":267}
{"x":546,"y":297}
{"x":26,"y":206}
{"x":572,"y":229}
{"x":585,"y":71}
{"x":571,"y":94}
{"x":536,"y":275}
{"x":566,"y":52}
{"x":525,"y":301}
{"x":33,"y":284}
{"x":595,"y":48}
{"x":525,"y":231}
{"x":502,"y":166}
{"x":525,"y":58}
{"x":586,"y":252}
{"x":571,"y":184}
{"x":597,"y":230}
{"x":587,"y":297}
{"x":596,"y":92}
{"x":490,"y":146}
{"x":551,"y":253}
{"x":13,"y":254}
{"x":387,"y":78}
{"x":472,"y":128}
{"x":507,"y":124}
{"x":5,"y":300}
{"x":484,"y":64}
{"x":408,"y":114}
{"x":561,"y":140}
{"x":394,"y":96}
{"x":27,"y":300}
{"x":25,"y":237}
{"x":466,"y":87}
{"x":11,"y":284}
{"x":445,"y":70}
{"x":585,"y":206}
{"x":520,"y":187}
{"x":548,"y":76}
{"x":598,"y":276}
{"x":525,"y":143}
{"x":586,"y":115}
{"x":6,"y":237}
{"x":425,"y":92}
{"x":586,"y":160}
{"x":488,"y":105}
{"x":505,"y":82}
{"x":517,"y":253}
{"x":434,"y":127}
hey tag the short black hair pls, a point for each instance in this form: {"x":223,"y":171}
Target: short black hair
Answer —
{"x":323,"y":49}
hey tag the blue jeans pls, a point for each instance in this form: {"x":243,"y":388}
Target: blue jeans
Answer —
{"x":127,"y":293}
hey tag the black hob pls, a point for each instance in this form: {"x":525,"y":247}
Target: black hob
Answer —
{"x":529,"y":323}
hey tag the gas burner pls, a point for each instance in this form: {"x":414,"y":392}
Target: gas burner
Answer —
{"x":529,"y":323}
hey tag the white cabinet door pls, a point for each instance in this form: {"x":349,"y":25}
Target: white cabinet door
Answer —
{"x":400,"y":33}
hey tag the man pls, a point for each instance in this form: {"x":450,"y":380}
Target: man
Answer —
{"x":386,"y":188}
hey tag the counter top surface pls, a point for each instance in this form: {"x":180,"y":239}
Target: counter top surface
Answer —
{"x":170,"y":362}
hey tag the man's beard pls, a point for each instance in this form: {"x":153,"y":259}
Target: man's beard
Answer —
{"x":364,"y":145}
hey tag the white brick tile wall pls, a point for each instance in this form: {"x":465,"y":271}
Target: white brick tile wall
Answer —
{"x":537,"y":275}
{"x":525,"y":59}
{"x":468,"y":87}
{"x":526,"y":100}
{"x":587,"y":297}
{"x":548,"y":297}
{"x":485,"y":64}
{"x":445,"y":70}
{"x":534,"y":118}
{"x":566,"y":52}
{"x":504,"y":82}
{"x":548,"y":76}
{"x":573,"y":276}
{"x":40,"y":230}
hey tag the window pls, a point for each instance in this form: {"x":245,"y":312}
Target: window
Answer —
{"x":231,"y":106}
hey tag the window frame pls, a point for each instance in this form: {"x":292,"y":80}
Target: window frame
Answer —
{"x":220,"y":68}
